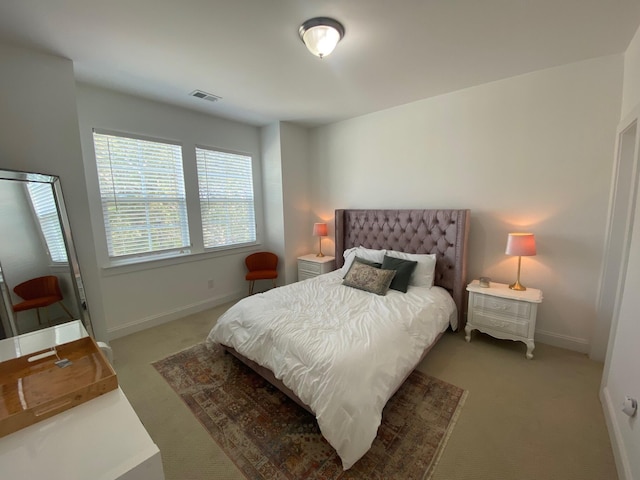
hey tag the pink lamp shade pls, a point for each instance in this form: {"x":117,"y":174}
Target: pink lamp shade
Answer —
{"x":319,"y":229}
{"x":521,"y":244}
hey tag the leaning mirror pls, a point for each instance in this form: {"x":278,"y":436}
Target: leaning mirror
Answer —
{"x":40,"y":282}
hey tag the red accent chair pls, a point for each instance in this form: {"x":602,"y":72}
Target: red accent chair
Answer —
{"x":261,"y":266}
{"x":38,"y":293}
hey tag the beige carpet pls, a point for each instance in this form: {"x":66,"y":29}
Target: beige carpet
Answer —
{"x":523,"y":419}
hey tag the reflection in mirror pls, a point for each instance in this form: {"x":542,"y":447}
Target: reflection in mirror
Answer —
{"x":40,"y":279}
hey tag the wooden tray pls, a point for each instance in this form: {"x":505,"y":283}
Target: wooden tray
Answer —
{"x":33,"y":387}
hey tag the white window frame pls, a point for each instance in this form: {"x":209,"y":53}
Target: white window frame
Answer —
{"x":197,"y":251}
{"x":207,"y":195}
{"x":106,"y":200}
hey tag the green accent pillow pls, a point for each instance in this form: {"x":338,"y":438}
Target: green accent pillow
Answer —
{"x":368,"y":278}
{"x":403,"y":268}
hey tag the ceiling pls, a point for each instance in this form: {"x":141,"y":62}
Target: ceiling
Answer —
{"x":248,"y":51}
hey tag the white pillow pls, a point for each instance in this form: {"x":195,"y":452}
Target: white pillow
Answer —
{"x":366,"y":253}
{"x":349,"y":254}
{"x":424,"y":272}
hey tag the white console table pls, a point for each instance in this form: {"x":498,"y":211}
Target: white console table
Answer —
{"x":102,"y":439}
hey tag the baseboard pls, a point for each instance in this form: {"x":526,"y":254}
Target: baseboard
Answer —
{"x":159,"y":319}
{"x":619,"y":453}
{"x":563,"y":341}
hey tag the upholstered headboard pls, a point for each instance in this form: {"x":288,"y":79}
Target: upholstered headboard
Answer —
{"x":443,"y":232}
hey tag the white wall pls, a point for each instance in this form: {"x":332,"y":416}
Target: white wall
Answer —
{"x":530,"y":153}
{"x":137,"y":297}
{"x":285,"y":180}
{"x":631,"y":86}
{"x":621,"y":367}
{"x":39,"y":133}
{"x":298,"y":226}
{"x":273,"y":201}
{"x":22,"y":253}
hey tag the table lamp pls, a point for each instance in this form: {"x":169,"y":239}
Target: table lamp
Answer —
{"x":522,"y":245}
{"x":319,"y":230}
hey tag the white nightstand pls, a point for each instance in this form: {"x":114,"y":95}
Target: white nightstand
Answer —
{"x":503,"y":313}
{"x":310,"y":266}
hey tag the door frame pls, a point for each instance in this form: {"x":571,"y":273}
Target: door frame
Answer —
{"x":604,"y":333}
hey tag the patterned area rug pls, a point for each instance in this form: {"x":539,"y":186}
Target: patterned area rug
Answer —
{"x":268,"y":436}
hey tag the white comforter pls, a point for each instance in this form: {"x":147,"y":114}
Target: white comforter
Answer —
{"x":343,"y":351}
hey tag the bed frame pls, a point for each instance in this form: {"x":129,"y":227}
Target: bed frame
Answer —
{"x":442,"y":232}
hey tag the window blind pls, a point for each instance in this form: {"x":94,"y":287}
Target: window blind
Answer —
{"x":143,"y":195}
{"x":44,"y":206}
{"x":225,"y":183}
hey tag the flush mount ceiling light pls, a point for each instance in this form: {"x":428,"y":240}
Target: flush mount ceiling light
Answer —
{"x":321,"y":35}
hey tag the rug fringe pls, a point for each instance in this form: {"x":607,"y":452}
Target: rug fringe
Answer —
{"x":454,"y":419}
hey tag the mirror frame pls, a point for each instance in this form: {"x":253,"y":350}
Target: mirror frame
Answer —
{"x":76,"y":278}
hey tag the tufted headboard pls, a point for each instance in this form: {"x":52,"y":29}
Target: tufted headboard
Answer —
{"x":443,"y":232}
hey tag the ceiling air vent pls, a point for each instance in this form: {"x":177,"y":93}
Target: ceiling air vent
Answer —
{"x":205,"y":95}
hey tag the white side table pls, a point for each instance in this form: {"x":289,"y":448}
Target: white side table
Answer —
{"x":310,"y":266}
{"x":102,"y":439}
{"x":503,"y":313}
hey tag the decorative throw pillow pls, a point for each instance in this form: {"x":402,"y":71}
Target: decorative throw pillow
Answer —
{"x":404,"y":269}
{"x":368,"y":278}
{"x":424,"y":272}
{"x":369,"y":262}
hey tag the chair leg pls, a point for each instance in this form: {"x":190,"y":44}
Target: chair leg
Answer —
{"x":65,"y":309}
{"x":251,"y":287}
{"x":274,"y":283}
{"x":38,"y":314}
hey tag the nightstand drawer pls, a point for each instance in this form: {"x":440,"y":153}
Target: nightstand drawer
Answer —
{"x":302,"y":275}
{"x":514,"y":327}
{"x":309,"y":267}
{"x":488,"y":304}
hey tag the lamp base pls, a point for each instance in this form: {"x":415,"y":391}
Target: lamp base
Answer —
{"x":320,"y":254}
{"x":517,"y":286}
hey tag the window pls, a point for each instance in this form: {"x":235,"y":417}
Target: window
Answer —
{"x":44,"y":206}
{"x":143,"y":195}
{"x":225,"y":183}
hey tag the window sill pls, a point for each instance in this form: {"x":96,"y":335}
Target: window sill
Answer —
{"x":138,"y":265}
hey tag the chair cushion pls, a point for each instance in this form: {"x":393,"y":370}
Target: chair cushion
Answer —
{"x":262,"y":275}
{"x":35,"y":303}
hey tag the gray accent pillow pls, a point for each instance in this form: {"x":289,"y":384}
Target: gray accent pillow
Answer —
{"x":368,"y":278}
{"x":368,"y":262}
{"x":404,"y":269}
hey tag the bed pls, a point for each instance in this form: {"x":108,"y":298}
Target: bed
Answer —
{"x":342,"y":352}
